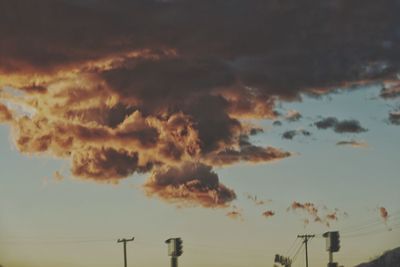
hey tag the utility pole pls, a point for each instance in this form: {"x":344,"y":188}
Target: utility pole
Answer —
{"x":306,"y":238}
{"x":125,"y":241}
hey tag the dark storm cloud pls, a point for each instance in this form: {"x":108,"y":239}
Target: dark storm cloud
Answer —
{"x":278,"y":46}
{"x":156,"y":84}
{"x":106,"y":165}
{"x":344,"y":126}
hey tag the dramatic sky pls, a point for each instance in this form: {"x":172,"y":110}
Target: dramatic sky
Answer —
{"x":234,"y":124}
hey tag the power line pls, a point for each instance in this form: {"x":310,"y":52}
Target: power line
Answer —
{"x":376,"y":231}
{"x":56,"y":241}
{"x":292,"y":246}
{"x":394,"y":216}
{"x":297,"y":252}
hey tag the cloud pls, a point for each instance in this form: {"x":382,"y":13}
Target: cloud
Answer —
{"x":256,"y":200}
{"x":352,"y":143}
{"x":316,"y":54}
{"x":292,"y":133}
{"x":310,"y":208}
{"x":315,"y":214}
{"x":5,"y":114}
{"x":191,"y":183}
{"x":332,"y":216}
{"x":268,"y":213}
{"x":384,"y":214}
{"x":249,"y":153}
{"x":394,"y":117}
{"x":344,"y":126}
{"x":277,"y":123}
{"x":148,"y":86}
{"x":293,"y":115}
{"x":234,"y":215}
{"x":57,"y":176}
{"x":106,"y":165}
{"x":391,"y":89}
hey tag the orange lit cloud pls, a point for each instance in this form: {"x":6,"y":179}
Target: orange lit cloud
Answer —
{"x":5,"y":114}
{"x":315,"y":214}
{"x":115,"y":93}
{"x":293,"y":115}
{"x":256,"y":200}
{"x":234,"y":215}
{"x":268,"y":213}
{"x":58,"y":176}
{"x":384,"y":214}
{"x":191,"y":183}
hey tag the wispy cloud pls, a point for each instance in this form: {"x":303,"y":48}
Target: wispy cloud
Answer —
{"x":352,"y":143}
{"x":315,"y":214}
{"x":268,"y":213}
{"x":293,"y":115}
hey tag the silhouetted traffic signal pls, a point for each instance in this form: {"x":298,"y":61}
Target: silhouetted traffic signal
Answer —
{"x":335,"y":241}
{"x":283,"y":260}
{"x":332,"y":241}
{"x":178,"y":247}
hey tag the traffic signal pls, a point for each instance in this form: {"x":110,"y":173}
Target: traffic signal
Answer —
{"x":277,"y":258}
{"x":178,"y":247}
{"x":332,"y":241}
{"x":335,"y":241}
{"x":282,"y":260}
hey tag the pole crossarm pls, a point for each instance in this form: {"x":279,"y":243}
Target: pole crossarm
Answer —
{"x":125,"y":240}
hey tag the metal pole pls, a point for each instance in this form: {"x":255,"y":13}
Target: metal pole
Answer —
{"x":174,"y":261}
{"x":306,"y":239}
{"x":306,"y":242}
{"x":125,"y":260}
{"x":125,"y":256}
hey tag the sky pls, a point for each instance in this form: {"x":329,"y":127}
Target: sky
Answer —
{"x":235,"y":125}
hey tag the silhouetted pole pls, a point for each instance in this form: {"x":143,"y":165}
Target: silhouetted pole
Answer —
{"x":125,"y":241}
{"x":306,"y":238}
{"x":174,"y":262}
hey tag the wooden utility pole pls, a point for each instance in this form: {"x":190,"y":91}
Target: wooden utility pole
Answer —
{"x":306,"y":238}
{"x":125,"y":241}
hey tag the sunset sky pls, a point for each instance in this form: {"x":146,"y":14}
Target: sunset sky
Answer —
{"x":235,"y":125}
